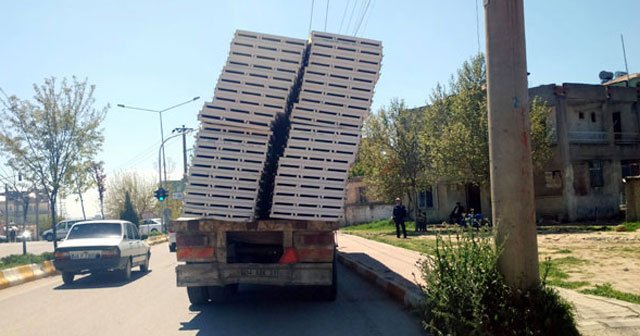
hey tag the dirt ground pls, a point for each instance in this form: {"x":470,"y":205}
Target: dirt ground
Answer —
{"x":612,"y":257}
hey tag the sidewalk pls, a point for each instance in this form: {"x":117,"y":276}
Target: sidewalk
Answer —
{"x":396,"y":271}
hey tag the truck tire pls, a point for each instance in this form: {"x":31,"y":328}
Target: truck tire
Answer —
{"x":198,"y":295}
{"x":67,"y":278}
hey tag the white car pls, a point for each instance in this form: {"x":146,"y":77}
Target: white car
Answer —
{"x":149,"y":226}
{"x":61,"y":230}
{"x":99,"y":246}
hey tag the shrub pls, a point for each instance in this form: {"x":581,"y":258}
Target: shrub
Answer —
{"x":155,"y":233}
{"x":15,"y":260}
{"x":466,"y":295}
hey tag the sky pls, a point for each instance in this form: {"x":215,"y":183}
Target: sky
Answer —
{"x":155,"y":54}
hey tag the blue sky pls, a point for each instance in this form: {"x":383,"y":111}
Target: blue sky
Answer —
{"x":155,"y":54}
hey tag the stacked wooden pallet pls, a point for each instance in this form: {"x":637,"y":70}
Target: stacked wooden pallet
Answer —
{"x":236,"y":131}
{"x":335,"y":97}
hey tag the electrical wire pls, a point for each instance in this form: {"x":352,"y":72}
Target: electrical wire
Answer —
{"x":366,"y":21}
{"x":326,"y":15}
{"x":355,"y":3}
{"x":311,"y":16}
{"x":362,"y":17}
{"x":344,"y":14}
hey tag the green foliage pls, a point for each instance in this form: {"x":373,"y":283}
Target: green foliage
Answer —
{"x":391,"y":156}
{"x":466,"y":295}
{"x":140,"y":189}
{"x":128,"y":213}
{"x":15,"y":260}
{"x":607,"y":290}
{"x":631,"y":226}
{"x":155,"y":233}
{"x":47,"y":137}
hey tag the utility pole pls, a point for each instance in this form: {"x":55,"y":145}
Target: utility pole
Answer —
{"x":512,"y":195}
{"x":6,"y":210}
{"x":183,"y":130}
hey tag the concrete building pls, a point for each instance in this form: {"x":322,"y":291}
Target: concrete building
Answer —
{"x":361,"y":208}
{"x":596,"y":135}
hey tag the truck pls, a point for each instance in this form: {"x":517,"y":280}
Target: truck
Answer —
{"x":217,"y":255}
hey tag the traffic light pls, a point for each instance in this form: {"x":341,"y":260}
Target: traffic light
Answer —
{"x":161,"y":194}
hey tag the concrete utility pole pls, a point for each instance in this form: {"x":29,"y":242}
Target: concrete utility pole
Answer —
{"x":512,"y":195}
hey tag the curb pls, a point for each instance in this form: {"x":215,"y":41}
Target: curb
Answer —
{"x":26,"y":273}
{"x":408,"y":295}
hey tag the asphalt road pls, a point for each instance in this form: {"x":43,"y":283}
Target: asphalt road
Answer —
{"x":34,"y":247}
{"x":151,"y":304}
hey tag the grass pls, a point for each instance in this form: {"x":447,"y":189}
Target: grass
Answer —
{"x":15,"y":260}
{"x":631,"y":226}
{"x":384,"y":231}
{"x":607,"y":290}
{"x":563,"y":251}
{"x":556,"y":275}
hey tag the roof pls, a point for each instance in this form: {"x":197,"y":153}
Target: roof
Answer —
{"x":622,"y":79}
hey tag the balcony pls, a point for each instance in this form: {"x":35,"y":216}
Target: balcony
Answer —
{"x":626,"y":138}
{"x":592,"y":138}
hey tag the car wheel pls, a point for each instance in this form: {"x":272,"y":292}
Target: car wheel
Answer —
{"x":48,"y":237}
{"x":144,"y":267}
{"x":198,"y":295}
{"x":67,"y":277}
{"x":125,"y":272}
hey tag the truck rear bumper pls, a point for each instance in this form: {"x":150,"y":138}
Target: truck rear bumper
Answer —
{"x":217,"y":274}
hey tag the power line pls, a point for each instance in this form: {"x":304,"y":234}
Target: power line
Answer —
{"x":344,"y":14}
{"x":362,"y":18}
{"x":311,"y":16}
{"x":326,"y":15}
{"x":355,"y":3}
{"x":366,"y":21}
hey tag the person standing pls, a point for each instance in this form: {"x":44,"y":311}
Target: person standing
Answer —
{"x":399,"y":214}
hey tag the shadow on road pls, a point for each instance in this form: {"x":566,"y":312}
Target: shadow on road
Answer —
{"x":101,"y":280}
{"x":264,"y":309}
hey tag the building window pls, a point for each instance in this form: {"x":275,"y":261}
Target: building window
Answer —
{"x":425,"y":198}
{"x":595,"y":174}
{"x":553,"y":179}
{"x":581,"y":115}
{"x":593,"y":117}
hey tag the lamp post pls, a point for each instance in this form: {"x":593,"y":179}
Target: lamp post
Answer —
{"x":164,"y":162}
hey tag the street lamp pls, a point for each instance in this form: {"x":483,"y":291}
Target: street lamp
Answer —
{"x":162,"y":185}
{"x":164,"y":161}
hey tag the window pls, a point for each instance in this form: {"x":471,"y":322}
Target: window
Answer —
{"x":581,"y":115}
{"x":425,"y":198}
{"x":130,"y":232}
{"x":593,"y":117}
{"x":596,"y":175}
{"x":553,"y":179}
{"x":362,"y":195}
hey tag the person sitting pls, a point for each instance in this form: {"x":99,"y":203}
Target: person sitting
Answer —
{"x":456,"y":215}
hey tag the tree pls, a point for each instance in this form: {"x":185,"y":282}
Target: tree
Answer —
{"x":140,"y":189}
{"x":99,"y":178}
{"x":47,"y":137}
{"x":391,"y":157}
{"x":128,"y":213}
{"x":80,"y":180}
{"x":456,"y":127}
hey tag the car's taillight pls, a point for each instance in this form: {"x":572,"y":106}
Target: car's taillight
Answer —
{"x":61,"y":255}
{"x":113,"y":252}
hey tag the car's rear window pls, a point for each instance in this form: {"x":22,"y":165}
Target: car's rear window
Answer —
{"x":95,"y":230}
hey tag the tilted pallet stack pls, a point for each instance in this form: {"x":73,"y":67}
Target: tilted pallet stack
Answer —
{"x":233,"y":143}
{"x":335,"y":97}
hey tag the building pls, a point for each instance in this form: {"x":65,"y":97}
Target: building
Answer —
{"x":361,"y":208}
{"x":596,"y":142}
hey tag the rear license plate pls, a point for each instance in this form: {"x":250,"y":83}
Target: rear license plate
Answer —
{"x":263,"y":273}
{"x":83,"y":255}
